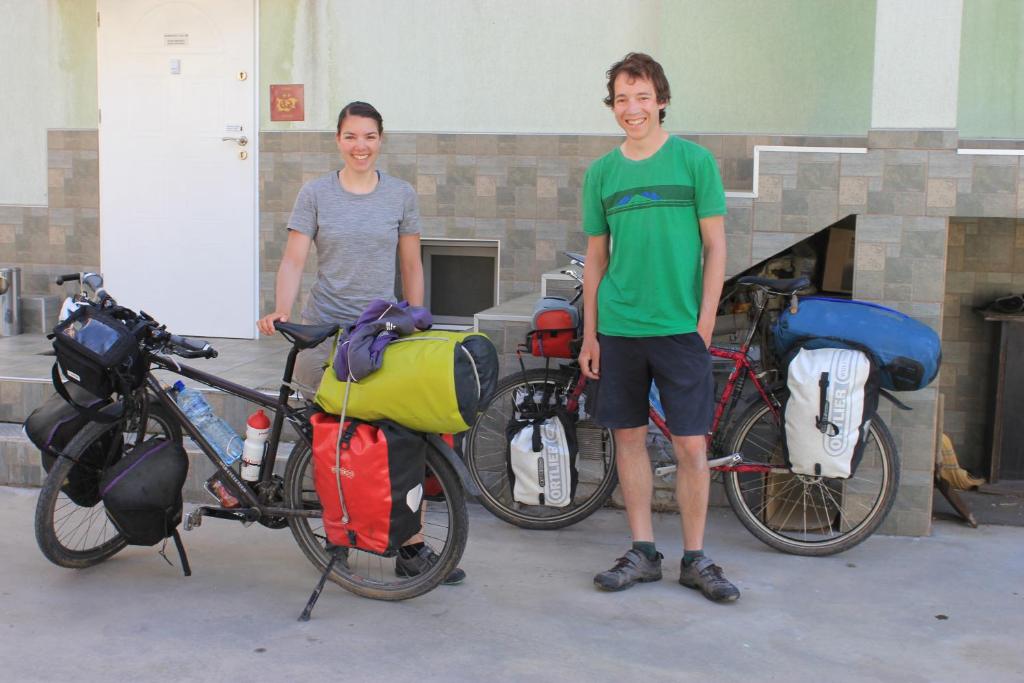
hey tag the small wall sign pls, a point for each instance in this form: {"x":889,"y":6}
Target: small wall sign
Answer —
{"x":287,"y":103}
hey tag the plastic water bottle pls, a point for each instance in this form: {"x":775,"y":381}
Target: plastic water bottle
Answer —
{"x":655,"y":398}
{"x":226,"y":443}
{"x":257,"y":428}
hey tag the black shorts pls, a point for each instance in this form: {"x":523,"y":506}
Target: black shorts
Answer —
{"x":680,"y":366}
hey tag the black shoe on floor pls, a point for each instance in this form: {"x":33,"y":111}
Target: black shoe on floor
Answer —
{"x":706,"y":576}
{"x":421,"y":562}
{"x":633,"y":567}
{"x":341,"y":551}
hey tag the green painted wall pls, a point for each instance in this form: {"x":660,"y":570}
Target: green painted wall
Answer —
{"x":73,"y":64}
{"x":23,"y":104}
{"x":535,"y":66}
{"x":785,"y":66}
{"x":992,"y":69}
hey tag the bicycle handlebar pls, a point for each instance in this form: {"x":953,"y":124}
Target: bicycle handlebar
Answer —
{"x":70,"y":277}
{"x":191,"y":348}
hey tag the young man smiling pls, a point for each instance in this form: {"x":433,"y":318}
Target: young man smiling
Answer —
{"x":653,"y":211}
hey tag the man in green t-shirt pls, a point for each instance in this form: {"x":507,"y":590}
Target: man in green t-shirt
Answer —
{"x":653,"y":212}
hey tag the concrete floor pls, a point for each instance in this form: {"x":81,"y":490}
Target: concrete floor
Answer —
{"x":945,"y":608}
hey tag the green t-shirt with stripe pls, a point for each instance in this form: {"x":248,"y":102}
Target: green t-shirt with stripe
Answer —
{"x":652,"y":209}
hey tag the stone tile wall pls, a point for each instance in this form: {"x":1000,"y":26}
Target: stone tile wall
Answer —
{"x":63,"y":236}
{"x":985,"y":261}
{"x":520,"y":189}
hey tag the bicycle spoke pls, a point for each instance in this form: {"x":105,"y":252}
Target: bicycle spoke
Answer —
{"x":839,"y":507}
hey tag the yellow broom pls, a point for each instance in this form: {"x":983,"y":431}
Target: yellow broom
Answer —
{"x":951,"y":472}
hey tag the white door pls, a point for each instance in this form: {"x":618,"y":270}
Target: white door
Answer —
{"x":178,"y":223}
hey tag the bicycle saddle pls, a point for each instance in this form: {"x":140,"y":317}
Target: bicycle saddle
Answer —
{"x":781,"y":286}
{"x":574,"y":256}
{"x":305,"y":336}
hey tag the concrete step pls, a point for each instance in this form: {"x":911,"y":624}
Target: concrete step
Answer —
{"x":20,"y":396}
{"x":25,"y":374}
{"x":21,"y":465}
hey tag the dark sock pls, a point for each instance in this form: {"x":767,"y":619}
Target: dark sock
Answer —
{"x":410,"y":551}
{"x":647,"y":548}
{"x":691,"y":556}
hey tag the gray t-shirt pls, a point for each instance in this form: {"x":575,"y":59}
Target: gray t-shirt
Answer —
{"x":356,"y":238}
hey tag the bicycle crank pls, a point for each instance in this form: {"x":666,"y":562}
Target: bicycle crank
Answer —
{"x":724,"y":461}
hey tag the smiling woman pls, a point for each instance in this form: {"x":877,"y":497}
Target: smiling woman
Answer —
{"x":358,"y":217}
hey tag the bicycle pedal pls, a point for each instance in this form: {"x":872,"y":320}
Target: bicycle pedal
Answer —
{"x":664,"y":470}
{"x":193,"y":519}
{"x":726,"y":461}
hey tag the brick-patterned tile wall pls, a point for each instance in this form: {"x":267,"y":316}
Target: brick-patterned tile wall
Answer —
{"x":64,"y":236}
{"x":986,"y":261}
{"x":520,"y":189}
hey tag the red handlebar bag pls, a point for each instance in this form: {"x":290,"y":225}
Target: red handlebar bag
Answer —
{"x":369,"y":478}
{"x":555,"y":326}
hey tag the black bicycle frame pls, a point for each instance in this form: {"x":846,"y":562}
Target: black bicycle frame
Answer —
{"x":281,"y":411}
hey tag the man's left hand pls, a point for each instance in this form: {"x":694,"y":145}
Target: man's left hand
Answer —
{"x":704,"y":329}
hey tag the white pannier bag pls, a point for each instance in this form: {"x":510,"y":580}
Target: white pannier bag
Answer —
{"x":542,"y":460}
{"x":833,"y":394}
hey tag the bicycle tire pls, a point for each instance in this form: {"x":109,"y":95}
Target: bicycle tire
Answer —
{"x":782,"y":510}
{"x":367,"y":574}
{"x":78,"y":537}
{"x":485,"y":450}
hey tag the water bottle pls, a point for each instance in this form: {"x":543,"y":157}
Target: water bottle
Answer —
{"x":655,"y":398}
{"x":226,"y":443}
{"x":257,"y":427}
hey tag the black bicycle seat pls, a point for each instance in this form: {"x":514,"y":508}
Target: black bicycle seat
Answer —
{"x":573,"y":256}
{"x":780,"y":286}
{"x":305,"y":336}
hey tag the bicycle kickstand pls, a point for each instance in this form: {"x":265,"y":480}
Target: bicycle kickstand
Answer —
{"x":338,"y":552}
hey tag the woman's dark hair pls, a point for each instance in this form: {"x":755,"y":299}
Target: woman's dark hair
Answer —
{"x":361,"y":109}
{"x":640,"y":65}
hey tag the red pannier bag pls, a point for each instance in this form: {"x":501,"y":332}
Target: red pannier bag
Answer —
{"x":555,"y":326}
{"x":370,"y":482}
{"x":431,"y":486}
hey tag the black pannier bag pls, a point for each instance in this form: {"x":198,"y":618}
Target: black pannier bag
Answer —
{"x":142,"y":492}
{"x":53,"y":425}
{"x":98,"y":352}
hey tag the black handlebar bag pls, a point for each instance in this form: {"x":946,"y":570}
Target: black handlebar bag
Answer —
{"x":98,"y":352}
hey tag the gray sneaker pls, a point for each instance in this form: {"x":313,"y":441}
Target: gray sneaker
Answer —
{"x":706,"y":576}
{"x":631,"y":568}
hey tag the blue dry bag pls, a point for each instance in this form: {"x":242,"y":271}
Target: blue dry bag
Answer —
{"x":908,"y":352}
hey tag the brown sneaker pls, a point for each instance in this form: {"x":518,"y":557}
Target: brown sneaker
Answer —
{"x":633,"y":567}
{"x":706,"y":576}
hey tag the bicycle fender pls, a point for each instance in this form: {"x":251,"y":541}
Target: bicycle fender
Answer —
{"x":456,"y":462}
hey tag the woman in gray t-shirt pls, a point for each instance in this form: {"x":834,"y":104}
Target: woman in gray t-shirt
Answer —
{"x":358,"y":217}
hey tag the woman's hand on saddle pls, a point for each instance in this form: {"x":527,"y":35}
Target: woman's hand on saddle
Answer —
{"x":266,"y":323}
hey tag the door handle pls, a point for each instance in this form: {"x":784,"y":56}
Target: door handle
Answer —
{"x":241,"y":140}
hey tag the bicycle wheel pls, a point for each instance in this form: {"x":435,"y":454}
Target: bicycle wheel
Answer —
{"x":807,"y":515}
{"x":73,"y":536}
{"x":445,"y":527}
{"x":486,"y":448}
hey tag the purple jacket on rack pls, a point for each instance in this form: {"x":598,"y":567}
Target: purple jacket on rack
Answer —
{"x":361,"y":349}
